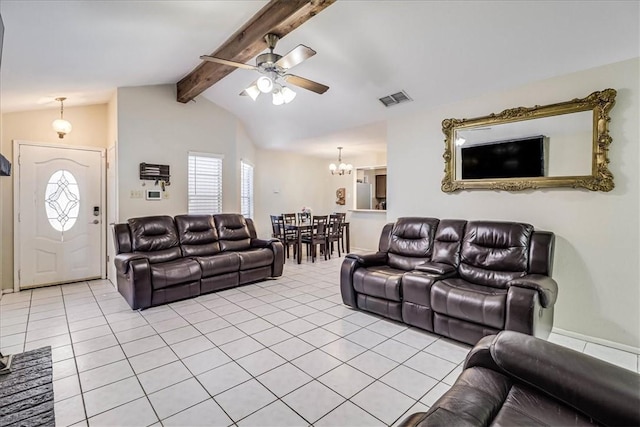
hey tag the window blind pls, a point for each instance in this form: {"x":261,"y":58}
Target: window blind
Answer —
{"x":205,"y":183}
{"x":246,"y":189}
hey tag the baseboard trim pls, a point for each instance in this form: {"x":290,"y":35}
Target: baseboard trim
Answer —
{"x":596,"y":340}
{"x":5,"y":291}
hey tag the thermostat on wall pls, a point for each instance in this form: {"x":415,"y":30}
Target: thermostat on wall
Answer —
{"x":154,"y":195}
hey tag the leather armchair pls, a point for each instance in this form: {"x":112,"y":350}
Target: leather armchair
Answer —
{"x":515,"y":379}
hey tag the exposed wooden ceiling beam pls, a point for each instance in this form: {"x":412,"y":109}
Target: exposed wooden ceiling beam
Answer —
{"x":279,"y":17}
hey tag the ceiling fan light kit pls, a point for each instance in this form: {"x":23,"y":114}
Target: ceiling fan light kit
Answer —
{"x":274,"y":67}
{"x":252,"y":91}
{"x":287,"y":94}
{"x":265,"y":84}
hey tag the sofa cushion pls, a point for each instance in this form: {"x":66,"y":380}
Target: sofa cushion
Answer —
{"x":411,"y":242}
{"x":153,"y":233}
{"x":226,"y":262}
{"x":164,"y":255}
{"x":447,"y":241}
{"x":233,"y":232}
{"x":198,"y":235}
{"x":174,"y":272}
{"x":379,"y":281}
{"x":155,"y":237}
{"x":493,"y":253}
{"x":254,"y":258}
{"x":458,"y":298}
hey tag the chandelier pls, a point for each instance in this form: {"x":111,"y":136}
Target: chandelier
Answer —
{"x":61,"y":126}
{"x":340,"y":168}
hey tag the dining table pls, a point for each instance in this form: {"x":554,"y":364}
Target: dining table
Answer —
{"x":300,"y":228}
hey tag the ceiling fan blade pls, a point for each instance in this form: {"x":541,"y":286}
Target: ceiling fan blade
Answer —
{"x":226,"y":62}
{"x":295,"y":56}
{"x":306,"y":83}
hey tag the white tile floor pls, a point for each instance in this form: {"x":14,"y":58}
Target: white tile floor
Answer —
{"x":282,"y":352}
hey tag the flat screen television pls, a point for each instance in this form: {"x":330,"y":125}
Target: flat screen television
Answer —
{"x":516,"y":158}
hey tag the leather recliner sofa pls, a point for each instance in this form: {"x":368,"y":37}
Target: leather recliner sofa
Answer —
{"x":162,"y":259}
{"x":460,"y":279}
{"x":513,"y":379}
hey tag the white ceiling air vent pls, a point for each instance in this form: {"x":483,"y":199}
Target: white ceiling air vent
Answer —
{"x":395,"y":98}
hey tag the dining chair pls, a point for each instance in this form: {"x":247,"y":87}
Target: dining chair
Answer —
{"x":303,"y":217}
{"x":343,"y":219}
{"x":317,"y":236}
{"x":334,"y":233}
{"x":289,"y":218}
{"x":280,"y":232}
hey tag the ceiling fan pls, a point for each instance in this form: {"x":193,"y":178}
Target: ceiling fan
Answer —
{"x":273,"y":68}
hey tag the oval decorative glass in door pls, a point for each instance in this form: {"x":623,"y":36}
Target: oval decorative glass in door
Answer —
{"x":62,"y":200}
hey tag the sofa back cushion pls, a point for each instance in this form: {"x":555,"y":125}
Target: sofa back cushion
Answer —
{"x":233,"y":232}
{"x":494,"y":252}
{"x":448,"y":241}
{"x":198,"y":235}
{"x":156,"y":237}
{"x":411,"y":242}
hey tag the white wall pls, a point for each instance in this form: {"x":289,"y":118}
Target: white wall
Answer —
{"x":597,"y":234}
{"x":89,"y":129}
{"x":285,"y":182}
{"x":154,"y":128}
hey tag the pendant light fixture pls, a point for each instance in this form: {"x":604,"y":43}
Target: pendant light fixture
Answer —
{"x":341,"y":168}
{"x":61,"y":126}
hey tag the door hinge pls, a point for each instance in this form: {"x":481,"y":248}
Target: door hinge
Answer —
{"x":108,"y":258}
{"x":19,"y":160}
{"x":108,"y":165}
{"x":19,"y":274}
{"x":19,"y":218}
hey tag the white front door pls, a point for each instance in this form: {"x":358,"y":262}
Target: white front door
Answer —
{"x":59,"y":234}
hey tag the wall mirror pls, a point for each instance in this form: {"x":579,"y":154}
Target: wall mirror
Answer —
{"x":371,"y":188}
{"x":558,"y":145}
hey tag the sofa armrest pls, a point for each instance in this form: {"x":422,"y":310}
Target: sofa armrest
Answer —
{"x":605,"y":392}
{"x":123,"y":261}
{"x":275,"y":245}
{"x":368,"y":260}
{"x":438,"y":268}
{"x":546,"y":287}
{"x":263,"y":243}
{"x":134,"y":279}
{"x":480,"y":354}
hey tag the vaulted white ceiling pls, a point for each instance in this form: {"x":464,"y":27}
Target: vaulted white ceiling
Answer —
{"x":437,"y":51}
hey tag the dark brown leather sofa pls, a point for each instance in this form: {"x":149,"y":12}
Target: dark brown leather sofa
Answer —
{"x":514,"y":379}
{"x":461,"y":279}
{"x":162,"y":259}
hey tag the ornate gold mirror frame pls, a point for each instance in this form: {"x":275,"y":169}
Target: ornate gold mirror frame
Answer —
{"x":601,"y":179}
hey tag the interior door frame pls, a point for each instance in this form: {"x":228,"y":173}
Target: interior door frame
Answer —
{"x":16,"y":202}
{"x":111,"y":211}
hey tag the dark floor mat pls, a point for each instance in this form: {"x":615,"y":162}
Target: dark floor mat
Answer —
{"x":26,"y":393}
